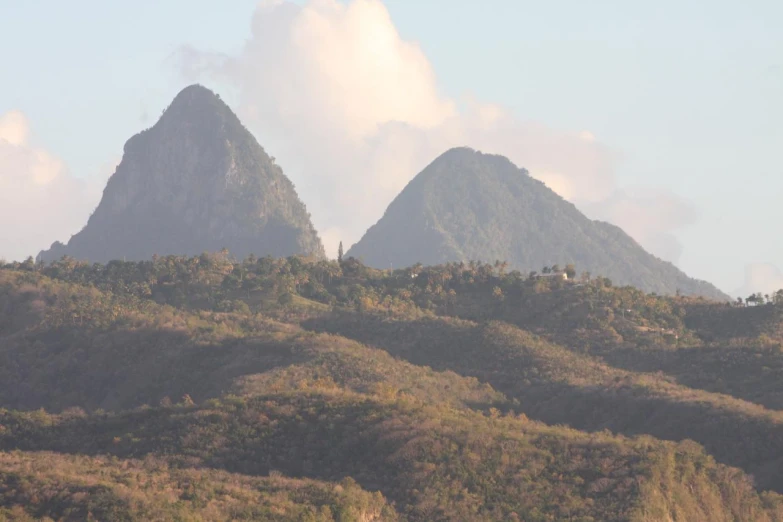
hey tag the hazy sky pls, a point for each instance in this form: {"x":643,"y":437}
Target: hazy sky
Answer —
{"x":664,"y":117}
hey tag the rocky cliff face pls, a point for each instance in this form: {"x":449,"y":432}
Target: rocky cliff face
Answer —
{"x":196,"y":181}
{"x":470,"y":206}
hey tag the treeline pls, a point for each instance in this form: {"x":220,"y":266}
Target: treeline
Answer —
{"x":214,"y":280}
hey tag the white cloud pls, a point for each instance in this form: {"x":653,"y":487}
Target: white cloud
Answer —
{"x":761,"y":277}
{"x":352,"y":112}
{"x":13,"y":128}
{"x":649,"y":215}
{"x":39,"y":201}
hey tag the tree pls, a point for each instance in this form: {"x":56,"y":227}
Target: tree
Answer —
{"x":570,"y":271}
{"x":285,"y":299}
{"x":756,"y":299}
{"x":28,"y":264}
{"x":340,"y":253}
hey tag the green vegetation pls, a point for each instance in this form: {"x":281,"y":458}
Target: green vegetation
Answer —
{"x":436,"y":463}
{"x":556,"y":385}
{"x":71,"y":346}
{"x":206,"y":388}
{"x":471,"y":206}
{"x":52,"y":486}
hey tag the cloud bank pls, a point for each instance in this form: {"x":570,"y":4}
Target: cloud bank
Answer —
{"x":352,"y":112}
{"x":39,"y":201}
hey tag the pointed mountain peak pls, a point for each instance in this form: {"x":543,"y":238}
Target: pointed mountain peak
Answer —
{"x":195,"y":181}
{"x":200,"y":106}
{"x":197,"y":96}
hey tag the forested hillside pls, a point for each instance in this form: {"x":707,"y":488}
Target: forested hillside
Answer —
{"x":467,"y":206}
{"x":207,"y":388}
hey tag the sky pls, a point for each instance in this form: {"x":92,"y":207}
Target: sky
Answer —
{"x":665,"y":118}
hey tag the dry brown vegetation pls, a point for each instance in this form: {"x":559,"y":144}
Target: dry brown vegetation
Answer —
{"x":457,"y":394}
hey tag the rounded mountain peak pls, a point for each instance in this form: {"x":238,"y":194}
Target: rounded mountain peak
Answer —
{"x":470,"y":165}
{"x":468,"y":156}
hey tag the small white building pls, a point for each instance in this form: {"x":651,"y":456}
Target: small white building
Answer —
{"x":554,"y":275}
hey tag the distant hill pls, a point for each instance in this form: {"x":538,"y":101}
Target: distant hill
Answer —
{"x":196,"y":181}
{"x":471,"y":206}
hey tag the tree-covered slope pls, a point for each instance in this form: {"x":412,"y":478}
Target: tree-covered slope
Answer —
{"x":471,"y":206}
{"x":64,"y":345}
{"x":308,"y":389}
{"x":74,"y":488}
{"x":196,"y":181}
{"x":432,"y":462}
